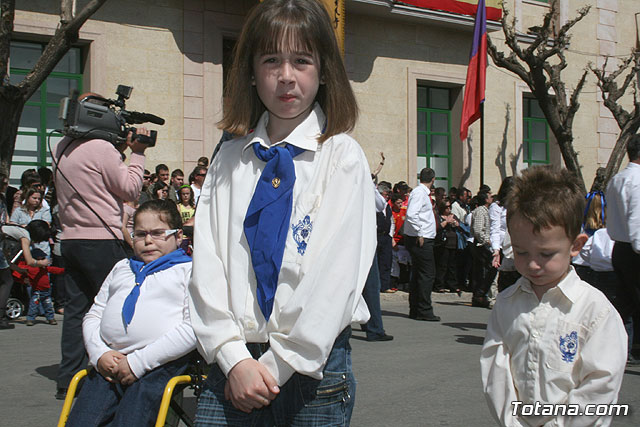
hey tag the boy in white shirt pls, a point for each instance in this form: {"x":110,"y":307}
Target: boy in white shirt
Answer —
{"x":552,"y":339}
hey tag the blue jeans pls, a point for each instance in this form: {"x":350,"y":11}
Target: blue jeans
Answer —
{"x":40,"y":300}
{"x":302,"y":401}
{"x":103,"y":403}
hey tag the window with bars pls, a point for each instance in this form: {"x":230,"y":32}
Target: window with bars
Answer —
{"x":40,"y":114}
{"x":434,"y":132}
{"x":535,"y":133}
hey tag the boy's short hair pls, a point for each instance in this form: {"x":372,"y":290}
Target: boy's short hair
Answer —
{"x":427,"y":174}
{"x":546,"y":197}
{"x":161,"y":167}
{"x":177,"y":172}
{"x":39,"y":230}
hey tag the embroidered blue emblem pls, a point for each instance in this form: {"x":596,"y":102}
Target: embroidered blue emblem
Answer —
{"x":301,"y":232}
{"x":569,"y":346}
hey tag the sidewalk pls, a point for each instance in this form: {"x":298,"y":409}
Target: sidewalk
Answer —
{"x":429,"y":375}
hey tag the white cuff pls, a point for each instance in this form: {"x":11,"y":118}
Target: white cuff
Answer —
{"x":230,"y":354}
{"x":280,"y":369}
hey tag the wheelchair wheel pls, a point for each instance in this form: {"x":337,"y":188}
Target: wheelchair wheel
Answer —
{"x":15,"y":308}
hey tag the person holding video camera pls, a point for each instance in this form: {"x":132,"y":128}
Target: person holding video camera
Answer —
{"x":92,"y":183}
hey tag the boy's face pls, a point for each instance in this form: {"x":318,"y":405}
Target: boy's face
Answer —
{"x":542,"y":257}
{"x":149,"y":248}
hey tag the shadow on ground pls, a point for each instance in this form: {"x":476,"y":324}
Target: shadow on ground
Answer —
{"x":49,"y":372}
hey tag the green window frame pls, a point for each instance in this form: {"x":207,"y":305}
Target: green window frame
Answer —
{"x":535,"y":141}
{"x":40,"y":113}
{"x":434,"y":132}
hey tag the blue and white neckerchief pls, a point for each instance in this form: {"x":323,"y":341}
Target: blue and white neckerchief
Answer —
{"x":266,"y":223}
{"x":141,"y":271}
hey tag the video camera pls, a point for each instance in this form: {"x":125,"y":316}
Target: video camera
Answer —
{"x":94,"y":117}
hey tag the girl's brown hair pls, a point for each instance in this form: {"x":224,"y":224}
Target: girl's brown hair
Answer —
{"x":288,"y":25}
{"x":596,"y":217}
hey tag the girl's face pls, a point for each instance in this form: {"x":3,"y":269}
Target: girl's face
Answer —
{"x":287,"y":84}
{"x":147,"y":247}
{"x":34,"y":200}
{"x":185,"y":195}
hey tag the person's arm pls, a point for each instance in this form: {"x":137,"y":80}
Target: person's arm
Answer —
{"x":495,"y":367}
{"x":495,"y":232}
{"x":93,"y":342}
{"x":25,"y":245}
{"x":122,"y":180}
{"x":55,"y":270}
{"x":378,"y":168}
{"x":603,"y":358}
{"x":174,"y":344}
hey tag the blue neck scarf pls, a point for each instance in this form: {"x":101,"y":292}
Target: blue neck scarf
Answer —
{"x":141,"y":271}
{"x":267,"y":221}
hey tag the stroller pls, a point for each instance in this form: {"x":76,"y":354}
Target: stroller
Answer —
{"x":18,"y":301}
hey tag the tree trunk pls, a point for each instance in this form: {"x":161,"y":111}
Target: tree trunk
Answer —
{"x":11,"y":105}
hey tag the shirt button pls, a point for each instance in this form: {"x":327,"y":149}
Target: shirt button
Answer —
{"x":251,"y":325}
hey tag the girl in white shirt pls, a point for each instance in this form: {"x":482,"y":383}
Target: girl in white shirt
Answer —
{"x":285,"y":230}
{"x":137,"y":333}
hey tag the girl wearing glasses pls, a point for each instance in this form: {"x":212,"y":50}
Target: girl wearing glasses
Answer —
{"x":138,"y":333}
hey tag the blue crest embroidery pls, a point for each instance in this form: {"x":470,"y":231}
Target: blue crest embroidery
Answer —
{"x":569,"y":346}
{"x":301,"y":232}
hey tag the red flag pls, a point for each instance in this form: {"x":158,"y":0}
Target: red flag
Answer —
{"x":476,"y":73}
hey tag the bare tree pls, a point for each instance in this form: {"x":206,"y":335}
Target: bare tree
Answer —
{"x":629,"y":122}
{"x":540,"y":65}
{"x":13,"y":97}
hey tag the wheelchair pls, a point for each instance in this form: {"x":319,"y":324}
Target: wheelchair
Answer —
{"x":171,"y":397}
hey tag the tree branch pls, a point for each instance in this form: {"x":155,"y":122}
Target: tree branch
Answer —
{"x":7,"y":13}
{"x":66,"y":11}
{"x":58,"y":46}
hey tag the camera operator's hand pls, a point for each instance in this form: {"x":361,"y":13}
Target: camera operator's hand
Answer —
{"x":135,"y":145}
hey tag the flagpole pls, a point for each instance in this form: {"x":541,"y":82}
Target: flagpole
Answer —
{"x":481,"y":143}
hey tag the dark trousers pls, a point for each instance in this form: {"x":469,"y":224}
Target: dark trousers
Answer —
{"x":423,"y":275}
{"x":6,"y":282}
{"x":103,"y":403}
{"x":371,"y":294}
{"x":483,"y":272}
{"x":385,"y":258}
{"x":88,"y":262}
{"x":506,"y":279}
{"x":58,"y":284}
{"x":445,"y":259}
{"x":464,"y":265}
{"x":625,"y":264}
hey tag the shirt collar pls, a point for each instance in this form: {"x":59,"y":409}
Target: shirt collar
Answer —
{"x":305,"y":135}
{"x":566,"y":287}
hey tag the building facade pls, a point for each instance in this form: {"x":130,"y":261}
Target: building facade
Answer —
{"x":407,"y":66}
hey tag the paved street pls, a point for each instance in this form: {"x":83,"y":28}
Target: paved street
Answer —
{"x":427,"y":376}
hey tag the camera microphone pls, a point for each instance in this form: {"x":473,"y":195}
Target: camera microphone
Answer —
{"x":137,"y":117}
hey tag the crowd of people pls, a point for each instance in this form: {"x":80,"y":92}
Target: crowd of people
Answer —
{"x":278,"y":266}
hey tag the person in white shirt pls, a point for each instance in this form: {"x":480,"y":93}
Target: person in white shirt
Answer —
{"x":199,"y":173}
{"x":420,"y":233}
{"x":623,"y":226}
{"x":285,"y":230}
{"x":552,"y":339}
{"x":137,"y":333}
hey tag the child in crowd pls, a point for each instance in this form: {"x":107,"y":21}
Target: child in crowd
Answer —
{"x":186,"y":202}
{"x":38,"y":278}
{"x":137,"y":333}
{"x":552,"y":338}
{"x":274,"y":291}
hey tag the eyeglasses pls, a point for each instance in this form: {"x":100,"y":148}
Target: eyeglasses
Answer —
{"x":201,"y":174}
{"x":146,"y":177}
{"x":155,"y":234}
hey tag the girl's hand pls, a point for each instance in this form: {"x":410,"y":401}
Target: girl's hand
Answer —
{"x":250,"y":386}
{"x":123,"y":372}
{"x":107,"y":364}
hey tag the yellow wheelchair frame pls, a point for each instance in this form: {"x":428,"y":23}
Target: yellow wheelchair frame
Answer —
{"x":164,"y":405}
